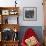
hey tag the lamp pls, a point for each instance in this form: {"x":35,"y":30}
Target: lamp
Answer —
{"x":15,"y":30}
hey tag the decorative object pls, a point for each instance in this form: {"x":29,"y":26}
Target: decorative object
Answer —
{"x":13,"y":12}
{"x":7,"y":34}
{"x":15,"y":37}
{"x":5,"y":12}
{"x":6,"y":21}
{"x":30,"y":13}
{"x":15,"y":30}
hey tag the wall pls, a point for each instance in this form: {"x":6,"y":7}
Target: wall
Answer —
{"x":27,"y":3}
{"x":6,"y":3}
{"x":38,"y":5}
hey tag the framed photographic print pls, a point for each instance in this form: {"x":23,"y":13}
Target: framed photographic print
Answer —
{"x":5,"y":12}
{"x":30,"y":13}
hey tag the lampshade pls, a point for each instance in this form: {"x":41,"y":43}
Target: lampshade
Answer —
{"x":15,"y":30}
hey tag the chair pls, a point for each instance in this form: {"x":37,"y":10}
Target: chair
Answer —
{"x":28,"y":34}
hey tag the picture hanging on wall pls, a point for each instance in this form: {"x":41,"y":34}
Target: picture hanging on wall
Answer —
{"x":30,"y":13}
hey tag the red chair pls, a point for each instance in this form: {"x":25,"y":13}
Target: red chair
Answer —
{"x":29,"y":33}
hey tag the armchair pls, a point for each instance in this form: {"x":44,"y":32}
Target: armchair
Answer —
{"x":30,"y":38}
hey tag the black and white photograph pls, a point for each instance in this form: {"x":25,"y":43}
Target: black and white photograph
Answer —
{"x":30,"y":13}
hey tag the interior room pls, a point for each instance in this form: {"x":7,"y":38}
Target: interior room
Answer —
{"x":22,"y":23}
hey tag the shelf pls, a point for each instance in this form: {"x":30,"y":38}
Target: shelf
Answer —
{"x":6,"y":12}
{"x":10,"y":26}
{"x":11,"y":41}
{"x":9,"y":10}
{"x":9,"y":20}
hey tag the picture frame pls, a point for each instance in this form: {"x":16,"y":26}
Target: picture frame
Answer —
{"x":29,"y":13}
{"x":5,"y":12}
